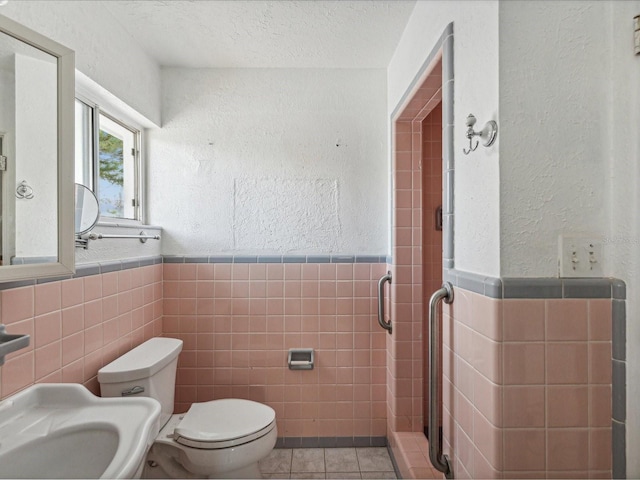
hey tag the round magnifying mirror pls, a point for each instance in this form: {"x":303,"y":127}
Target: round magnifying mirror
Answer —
{"x":87,"y":209}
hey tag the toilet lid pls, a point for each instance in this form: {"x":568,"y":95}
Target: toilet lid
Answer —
{"x":223,"y":420}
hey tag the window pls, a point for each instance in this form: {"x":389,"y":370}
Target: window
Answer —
{"x":107,"y":153}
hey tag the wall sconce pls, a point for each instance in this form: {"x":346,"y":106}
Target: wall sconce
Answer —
{"x":488,"y":134}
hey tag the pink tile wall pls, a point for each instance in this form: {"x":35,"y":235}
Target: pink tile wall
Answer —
{"x":417,"y":269}
{"x":528,"y":387}
{"x":431,"y":128}
{"x":417,"y":248}
{"x":405,"y":346}
{"x":79,"y":325}
{"x":238,"y":321}
{"x":431,"y":198}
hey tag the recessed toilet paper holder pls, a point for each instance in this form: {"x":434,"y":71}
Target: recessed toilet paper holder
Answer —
{"x":300,"y":359}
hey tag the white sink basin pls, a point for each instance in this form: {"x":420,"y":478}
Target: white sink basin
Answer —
{"x":64,"y":431}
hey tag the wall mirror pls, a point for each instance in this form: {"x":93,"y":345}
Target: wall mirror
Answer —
{"x":37,"y":148}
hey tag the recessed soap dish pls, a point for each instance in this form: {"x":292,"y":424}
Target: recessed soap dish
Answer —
{"x":10,"y":343}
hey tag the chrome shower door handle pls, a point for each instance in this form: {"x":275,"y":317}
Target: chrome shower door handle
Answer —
{"x":381,"y":282}
{"x":440,"y":462}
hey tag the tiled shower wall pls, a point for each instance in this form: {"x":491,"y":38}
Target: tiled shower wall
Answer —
{"x":417,"y":250}
{"x":238,"y":320}
{"x":417,"y":261}
{"x":79,"y":324}
{"x":527,"y":387}
{"x":431,"y":198}
{"x":431,"y":130}
{"x":405,"y":347}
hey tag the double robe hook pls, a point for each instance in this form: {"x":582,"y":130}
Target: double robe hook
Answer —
{"x":488,"y":134}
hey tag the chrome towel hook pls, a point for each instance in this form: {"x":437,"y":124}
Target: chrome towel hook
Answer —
{"x":488,"y":134}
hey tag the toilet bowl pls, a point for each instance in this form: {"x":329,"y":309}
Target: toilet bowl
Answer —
{"x":191,"y":444}
{"x":217,"y":439}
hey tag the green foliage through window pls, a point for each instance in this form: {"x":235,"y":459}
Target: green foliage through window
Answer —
{"x":111,"y":161}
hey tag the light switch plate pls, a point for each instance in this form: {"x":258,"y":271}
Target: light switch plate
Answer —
{"x":580,"y":256}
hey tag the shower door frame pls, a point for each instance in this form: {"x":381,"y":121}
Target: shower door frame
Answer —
{"x":407,"y":346}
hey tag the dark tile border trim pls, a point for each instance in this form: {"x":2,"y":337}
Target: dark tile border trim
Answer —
{"x":619,"y":450}
{"x":276,"y":259}
{"x":511,"y":287}
{"x":619,"y":330}
{"x":87,"y":269}
{"x":330,"y":442}
{"x":40,"y":281}
{"x":619,"y":394}
{"x":18,"y":284}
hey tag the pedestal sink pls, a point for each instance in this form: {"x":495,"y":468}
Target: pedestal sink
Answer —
{"x":64,"y":431}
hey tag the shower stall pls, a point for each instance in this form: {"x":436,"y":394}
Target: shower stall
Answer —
{"x":524,"y":383}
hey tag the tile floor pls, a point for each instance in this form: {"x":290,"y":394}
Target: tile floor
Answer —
{"x":337,"y":463}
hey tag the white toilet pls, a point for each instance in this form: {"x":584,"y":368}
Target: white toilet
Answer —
{"x":217,"y":439}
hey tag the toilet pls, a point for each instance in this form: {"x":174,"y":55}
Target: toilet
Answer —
{"x":217,"y":439}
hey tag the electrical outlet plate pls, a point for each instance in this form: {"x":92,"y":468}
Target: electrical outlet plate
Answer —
{"x":580,"y":256}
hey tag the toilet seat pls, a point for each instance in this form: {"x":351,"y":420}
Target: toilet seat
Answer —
{"x":224,"y":423}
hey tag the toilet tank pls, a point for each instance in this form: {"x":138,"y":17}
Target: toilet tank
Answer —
{"x":149,"y":370}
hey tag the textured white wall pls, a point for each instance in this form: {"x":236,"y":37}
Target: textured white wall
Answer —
{"x":36,"y":159}
{"x":622,"y":250}
{"x":104,"y":51}
{"x":270,"y":161}
{"x":554,"y":136}
{"x":477,"y":220}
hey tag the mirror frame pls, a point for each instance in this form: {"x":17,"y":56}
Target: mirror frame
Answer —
{"x":66,"y":96}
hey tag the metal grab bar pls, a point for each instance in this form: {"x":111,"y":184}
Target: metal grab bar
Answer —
{"x":143,"y":237}
{"x":439,"y":461}
{"x":381,"y":282}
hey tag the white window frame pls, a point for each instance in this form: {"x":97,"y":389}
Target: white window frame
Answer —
{"x":125,"y":121}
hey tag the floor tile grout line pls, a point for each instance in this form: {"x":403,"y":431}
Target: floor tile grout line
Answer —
{"x":291,"y":464}
{"x":324,"y":455}
{"x":327,"y":474}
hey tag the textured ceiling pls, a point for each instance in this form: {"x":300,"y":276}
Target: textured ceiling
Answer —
{"x":265,"y":34}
